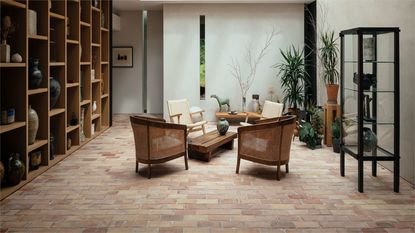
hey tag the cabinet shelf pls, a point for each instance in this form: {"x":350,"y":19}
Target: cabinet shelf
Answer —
{"x":104,"y":29}
{"x":71,"y":128}
{"x":57,"y":16}
{"x":85,"y":102}
{"x":12,"y":126}
{"x":56,"y":111}
{"x":95,"y":116}
{"x":97,"y":80}
{"x":85,"y":24}
{"x":57,"y":63}
{"x":104,"y":96}
{"x":12,"y":65}
{"x":96,"y":9}
{"x":38,"y":37}
{"x":69,"y":85}
{"x":371,"y":62}
{"x":368,"y":91}
{"x":85,"y":63}
{"x":36,"y":145}
{"x":37,"y":91}
{"x":104,"y":62}
{"x":69,"y":41}
{"x":95,"y":45}
{"x":12,"y":3}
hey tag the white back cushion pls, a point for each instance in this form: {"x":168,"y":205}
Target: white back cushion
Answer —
{"x":272,"y":109}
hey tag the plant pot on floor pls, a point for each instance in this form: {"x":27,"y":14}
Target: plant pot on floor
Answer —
{"x":332,"y":92}
{"x":336,"y":145}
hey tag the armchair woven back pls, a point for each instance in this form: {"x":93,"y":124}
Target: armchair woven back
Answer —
{"x":268,"y":142}
{"x":157,"y":141}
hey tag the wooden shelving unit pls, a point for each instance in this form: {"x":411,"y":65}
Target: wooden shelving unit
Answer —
{"x":72,"y":45}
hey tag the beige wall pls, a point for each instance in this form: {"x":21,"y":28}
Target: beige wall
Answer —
{"x":344,"y":14}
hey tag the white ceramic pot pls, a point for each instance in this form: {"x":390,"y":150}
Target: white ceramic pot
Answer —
{"x":32,"y":22}
{"x":5,"y":52}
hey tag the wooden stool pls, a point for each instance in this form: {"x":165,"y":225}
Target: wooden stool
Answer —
{"x":331,"y":112}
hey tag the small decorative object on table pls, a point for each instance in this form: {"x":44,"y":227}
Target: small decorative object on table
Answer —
{"x":55,"y":91}
{"x":35,"y":159}
{"x":222,"y":126}
{"x":33,"y":125}
{"x":221,"y":103}
{"x":36,"y":76}
{"x":369,"y":140}
{"x":255,"y":102}
{"x":232,"y":112}
{"x":16,"y":169}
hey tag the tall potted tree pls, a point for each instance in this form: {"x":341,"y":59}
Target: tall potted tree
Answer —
{"x":329,"y":60}
{"x":293,"y":75}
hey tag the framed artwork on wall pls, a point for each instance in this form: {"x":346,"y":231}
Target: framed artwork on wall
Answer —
{"x":122,"y":56}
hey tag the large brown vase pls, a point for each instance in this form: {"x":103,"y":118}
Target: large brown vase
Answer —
{"x":33,"y":125}
{"x":332,"y":92}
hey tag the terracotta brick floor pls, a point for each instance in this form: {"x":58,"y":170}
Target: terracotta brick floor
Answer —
{"x":97,"y":190}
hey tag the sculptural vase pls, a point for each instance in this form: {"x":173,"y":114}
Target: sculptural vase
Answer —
{"x":35,"y":159}
{"x":222,"y":126}
{"x":16,"y":169}
{"x":33,"y":125}
{"x":55,"y":91}
{"x":35,"y":78}
{"x":369,"y":140}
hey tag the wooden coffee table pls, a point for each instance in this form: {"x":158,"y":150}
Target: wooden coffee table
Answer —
{"x":202,"y":147}
{"x":240,"y":116}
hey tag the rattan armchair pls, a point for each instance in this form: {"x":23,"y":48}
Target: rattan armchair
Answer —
{"x":268,"y":142}
{"x":157,"y":141}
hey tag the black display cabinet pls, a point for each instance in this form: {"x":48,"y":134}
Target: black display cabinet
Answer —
{"x":370,"y":98}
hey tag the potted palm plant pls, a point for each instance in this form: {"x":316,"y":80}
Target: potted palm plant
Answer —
{"x":293,"y":75}
{"x":329,"y":60}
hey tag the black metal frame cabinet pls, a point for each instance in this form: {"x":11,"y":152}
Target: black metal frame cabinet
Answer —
{"x":370,"y":98}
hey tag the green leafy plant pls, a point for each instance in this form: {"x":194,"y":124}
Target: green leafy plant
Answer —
{"x":329,"y":57}
{"x":312,"y":133}
{"x":335,"y":128}
{"x":293,"y":76}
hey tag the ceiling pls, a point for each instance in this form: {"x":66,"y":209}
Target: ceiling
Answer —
{"x":158,"y":5}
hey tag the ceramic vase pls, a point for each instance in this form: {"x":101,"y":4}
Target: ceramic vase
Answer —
{"x":35,"y":159}
{"x":52,"y":145}
{"x":369,"y":140}
{"x":94,"y":106}
{"x":4,"y":52}
{"x":55,"y":91}
{"x":35,"y":75}
{"x":82,"y":134}
{"x":32,"y":22}
{"x":243,"y":108}
{"x":222,"y":126}
{"x":16,"y":169}
{"x":33,"y":125}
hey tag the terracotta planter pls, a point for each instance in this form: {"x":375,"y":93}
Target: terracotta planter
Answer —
{"x":332,"y":92}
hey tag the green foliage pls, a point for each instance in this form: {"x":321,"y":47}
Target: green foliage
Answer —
{"x":309,"y":135}
{"x":335,"y":128}
{"x":316,"y":120}
{"x":202,"y":63}
{"x":329,"y":57}
{"x":293,"y":75}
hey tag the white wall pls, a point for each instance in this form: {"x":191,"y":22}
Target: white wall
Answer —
{"x":127,"y":82}
{"x":345,"y":14}
{"x":229,"y":30}
{"x":155,"y":62}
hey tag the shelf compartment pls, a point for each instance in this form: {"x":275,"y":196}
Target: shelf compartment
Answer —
{"x":97,"y":80}
{"x":37,"y":91}
{"x":95,"y":45}
{"x":71,"y":128}
{"x":36,"y":145}
{"x":104,"y":62}
{"x":85,"y":63}
{"x":12,"y":3}
{"x":372,"y":62}
{"x":104,"y":29}
{"x":56,"y":111}
{"x":73,"y":14}
{"x":381,"y":154}
{"x":104,"y":96}
{"x":12,"y":126}
{"x":57,"y":63}
{"x":368,"y":91}
{"x":57,"y":16}
{"x":58,"y":130}
{"x":70,"y":85}
{"x":12,"y":65}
